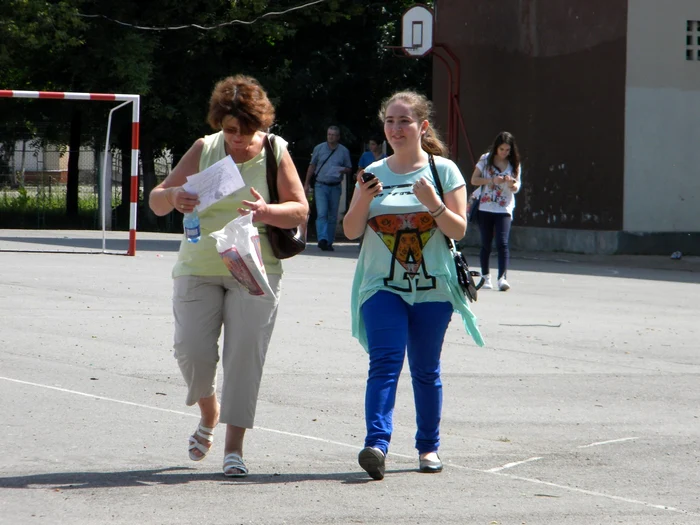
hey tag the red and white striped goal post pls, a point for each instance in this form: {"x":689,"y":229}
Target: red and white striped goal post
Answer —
{"x":105,"y":97}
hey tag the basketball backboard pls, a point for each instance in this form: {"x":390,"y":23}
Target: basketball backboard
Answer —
{"x":417,"y":31}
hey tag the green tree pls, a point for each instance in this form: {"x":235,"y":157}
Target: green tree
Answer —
{"x":321,"y":64}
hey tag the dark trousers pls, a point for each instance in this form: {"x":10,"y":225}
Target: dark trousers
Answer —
{"x":500,"y":223}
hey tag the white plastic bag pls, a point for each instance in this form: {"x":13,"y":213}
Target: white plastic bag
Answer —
{"x":238,"y":244}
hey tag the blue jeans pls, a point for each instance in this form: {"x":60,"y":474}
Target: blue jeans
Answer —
{"x":393,"y":327}
{"x":327,"y":199}
{"x":488,"y":222}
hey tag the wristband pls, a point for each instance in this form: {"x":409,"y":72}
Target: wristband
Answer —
{"x":439,"y":211}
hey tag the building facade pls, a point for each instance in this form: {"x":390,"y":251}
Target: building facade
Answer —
{"x":603,"y":97}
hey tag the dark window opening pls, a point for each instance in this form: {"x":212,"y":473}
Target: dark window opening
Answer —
{"x":692,"y":40}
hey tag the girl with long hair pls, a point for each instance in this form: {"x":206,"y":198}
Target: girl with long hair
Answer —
{"x":498,"y":175}
{"x":405,"y":287}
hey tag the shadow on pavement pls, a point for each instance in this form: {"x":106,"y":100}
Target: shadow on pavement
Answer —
{"x":121,"y":245}
{"x":654,"y":268}
{"x":651,"y":268}
{"x":168,"y":476}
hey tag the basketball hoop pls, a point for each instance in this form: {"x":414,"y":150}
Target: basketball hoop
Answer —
{"x":417,"y":31}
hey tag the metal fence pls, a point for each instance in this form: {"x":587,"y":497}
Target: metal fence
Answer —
{"x":33,"y":185}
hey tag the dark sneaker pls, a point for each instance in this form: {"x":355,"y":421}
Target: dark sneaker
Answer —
{"x":371,"y":459}
{"x":323,"y":244}
{"x":330,"y":248}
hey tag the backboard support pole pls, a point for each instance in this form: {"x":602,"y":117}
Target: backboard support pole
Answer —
{"x":417,"y":38}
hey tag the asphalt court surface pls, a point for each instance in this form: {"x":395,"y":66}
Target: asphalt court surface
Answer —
{"x":582,"y":408}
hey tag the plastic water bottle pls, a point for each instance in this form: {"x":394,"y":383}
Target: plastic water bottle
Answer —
{"x":191,"y":225}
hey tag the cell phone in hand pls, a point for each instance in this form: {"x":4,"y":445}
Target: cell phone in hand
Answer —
{"x":368,"y":176}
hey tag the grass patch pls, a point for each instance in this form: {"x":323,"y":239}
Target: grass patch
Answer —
{"x":40,"y":209}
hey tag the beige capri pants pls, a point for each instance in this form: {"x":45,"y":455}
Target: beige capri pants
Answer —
{"x":201,"y":306}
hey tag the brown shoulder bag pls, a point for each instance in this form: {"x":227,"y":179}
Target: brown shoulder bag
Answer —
{"x":285,"y":242}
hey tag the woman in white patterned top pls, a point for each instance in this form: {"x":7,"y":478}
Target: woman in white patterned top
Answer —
{"x":498,"y":175}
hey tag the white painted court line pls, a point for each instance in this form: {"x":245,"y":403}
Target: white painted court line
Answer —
{"x":189,"y":414}
{"x":517,"y":463}
{"x":314,"y":438}
{"x":49,"y":387}
{"x":511,"y":465}
{"x":601,"y":495}
{"x":608,"y":442}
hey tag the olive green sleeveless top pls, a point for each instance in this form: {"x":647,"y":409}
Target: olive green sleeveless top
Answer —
{"x":202,"y":258}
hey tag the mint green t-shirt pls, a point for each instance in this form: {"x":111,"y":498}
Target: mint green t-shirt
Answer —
{"x":403,"y":251}
{"x":202,"y":258}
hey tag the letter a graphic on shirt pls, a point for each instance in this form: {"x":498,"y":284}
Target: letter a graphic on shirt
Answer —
{"x":405,"y":236}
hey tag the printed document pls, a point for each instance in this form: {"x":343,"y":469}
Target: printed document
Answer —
{"x":214,"y":183}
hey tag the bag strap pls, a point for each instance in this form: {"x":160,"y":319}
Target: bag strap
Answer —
{"x":326,"y":160}
{"x":438,"y":184}
{"x":450,"y":243}
{"x":271,"y":167}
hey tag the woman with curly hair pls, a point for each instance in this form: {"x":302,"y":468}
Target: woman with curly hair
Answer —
{"x":206,"y":297}
{"x":405,"y":288}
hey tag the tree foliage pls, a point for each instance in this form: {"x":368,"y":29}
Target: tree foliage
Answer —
{"x":326,"y":63}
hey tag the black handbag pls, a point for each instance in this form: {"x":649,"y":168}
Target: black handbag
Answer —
{"x":465,"y":276}
{"x":285,"y":242}
{"x":473,"y":216}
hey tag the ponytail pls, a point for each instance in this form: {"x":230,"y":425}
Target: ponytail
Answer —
{"x":431,"y":143}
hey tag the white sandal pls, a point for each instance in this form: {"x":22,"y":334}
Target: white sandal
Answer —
{"x":205,"y":433}
{"x":234,"y":466}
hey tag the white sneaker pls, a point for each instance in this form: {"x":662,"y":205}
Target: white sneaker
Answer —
{"x":503,"y":284}
{"x":487,"y":283}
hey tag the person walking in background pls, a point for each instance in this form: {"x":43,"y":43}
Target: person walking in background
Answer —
{"x":373,"y":154}
{"x":205,"y":295}
{"x":330,"y":161}
{"x":498,"y":175}
{"x":405,"y":287}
